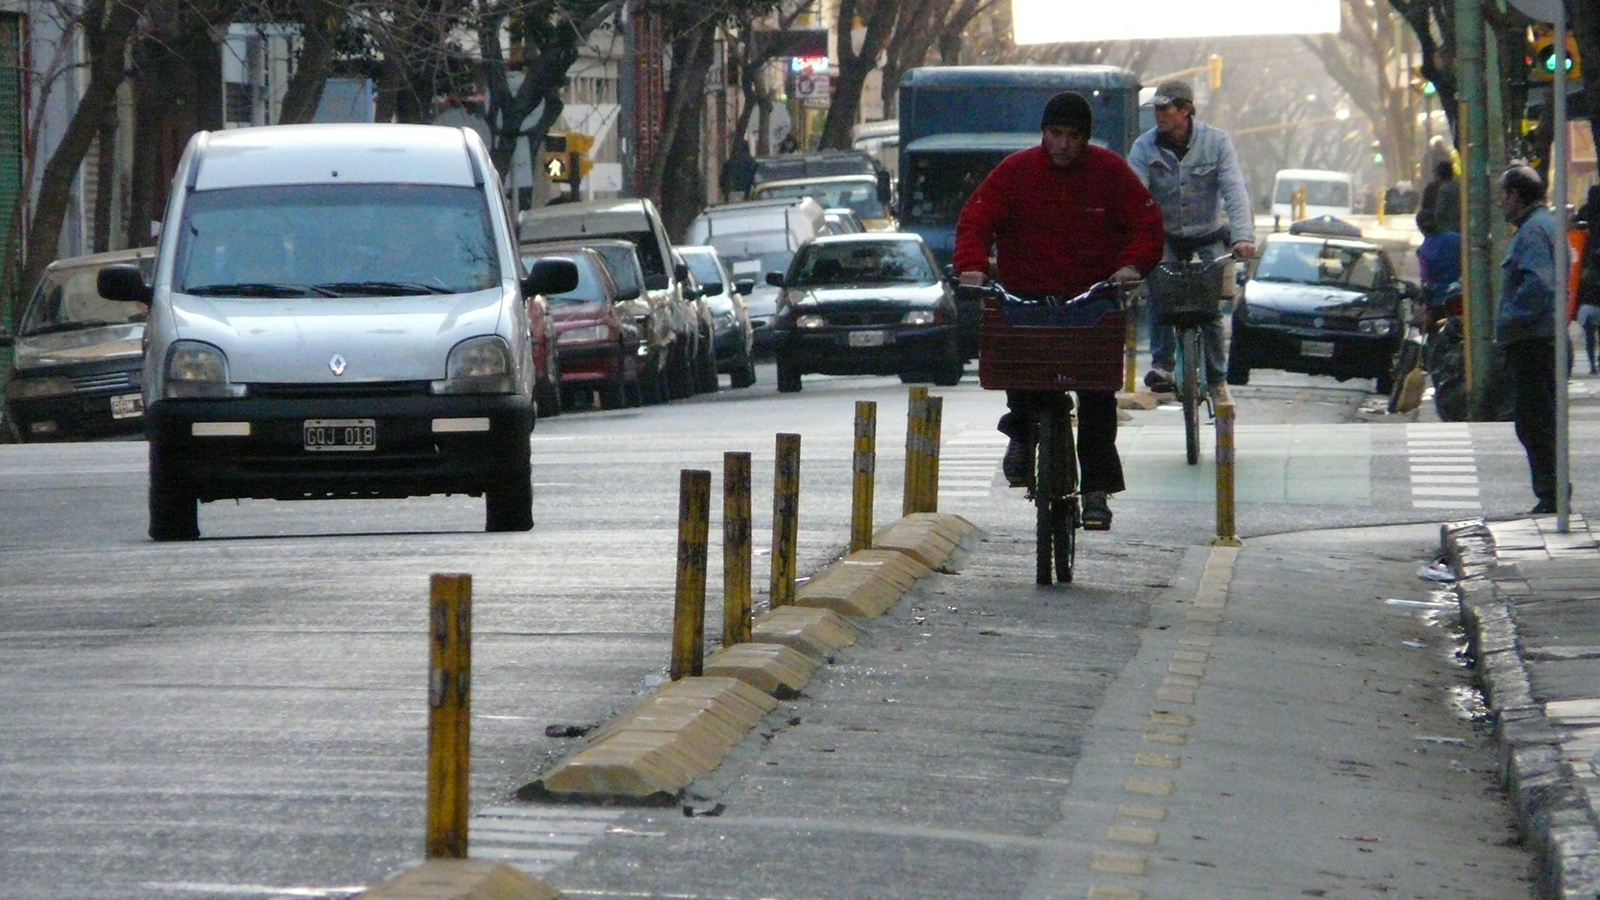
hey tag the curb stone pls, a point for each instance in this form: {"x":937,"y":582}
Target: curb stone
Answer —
{"x":1552,"y":811}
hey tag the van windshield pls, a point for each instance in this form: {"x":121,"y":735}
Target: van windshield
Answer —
{"x":336,"y":240}
{"x":856,"y":194}
{"x":1318,"y":193}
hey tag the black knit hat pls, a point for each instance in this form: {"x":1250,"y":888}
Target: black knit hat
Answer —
{"x":1070,"y":110}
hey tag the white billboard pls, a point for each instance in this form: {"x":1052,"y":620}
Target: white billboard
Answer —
{"x":1062,"y":21}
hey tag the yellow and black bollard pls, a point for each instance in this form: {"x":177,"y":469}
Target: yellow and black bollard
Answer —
{"x":785,"y":521}
{"x":916,"y":418}
{"x":449,"y":714}
{"x":864,"y":468}
{"x":933,"y":418}
{"x":689,"y":606}
{"x":735,"y":548}
{"x":1227,"y":535}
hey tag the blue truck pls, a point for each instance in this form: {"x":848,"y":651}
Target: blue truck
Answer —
{"x":958,"y":122}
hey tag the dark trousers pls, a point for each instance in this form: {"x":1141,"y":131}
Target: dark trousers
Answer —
{"x":1097,"y":431}
{"x":1533,"y":378}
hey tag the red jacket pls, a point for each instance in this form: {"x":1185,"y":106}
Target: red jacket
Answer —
{"x":1058,"y":231}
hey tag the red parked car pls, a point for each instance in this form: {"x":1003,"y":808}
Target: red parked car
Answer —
{"x":596,"y":341}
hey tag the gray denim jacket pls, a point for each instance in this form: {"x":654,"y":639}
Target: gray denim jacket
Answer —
{"x":1202,"y":193}
{"x":1527,"y":283}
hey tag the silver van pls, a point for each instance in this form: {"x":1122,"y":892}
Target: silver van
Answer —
{"x":755,"y":238}
{"x":337,"y":311}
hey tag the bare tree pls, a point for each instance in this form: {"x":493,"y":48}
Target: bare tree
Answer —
{"x":878,"y":17}
{"x":1368,"y":60}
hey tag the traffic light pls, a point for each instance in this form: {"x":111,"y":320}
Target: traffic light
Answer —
{"x":566,"y":157}
{"x":578,"y":146}
{"x":556,"y":164}
{"x":1542,"y":57}
{"x":1214,"y":68}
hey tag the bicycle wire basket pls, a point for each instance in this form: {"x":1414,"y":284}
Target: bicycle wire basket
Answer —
{"x":1186,"y":294}
{"x":1046,"y":347}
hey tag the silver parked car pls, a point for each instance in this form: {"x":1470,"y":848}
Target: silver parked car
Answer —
{"x":337,"y":311}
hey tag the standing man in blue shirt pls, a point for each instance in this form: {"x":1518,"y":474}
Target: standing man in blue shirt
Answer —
{"x":1524,"y":325}
{"x":1193,"y":171}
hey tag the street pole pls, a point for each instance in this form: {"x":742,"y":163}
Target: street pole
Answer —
{"x":1476,"y":284}
{"x":1558,"y":170}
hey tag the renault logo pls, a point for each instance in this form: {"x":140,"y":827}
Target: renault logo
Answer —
{"x":336,"y":365}
{"x":1316,"y":324}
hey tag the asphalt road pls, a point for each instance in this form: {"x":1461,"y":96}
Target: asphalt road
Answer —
{"x":246,"y":715}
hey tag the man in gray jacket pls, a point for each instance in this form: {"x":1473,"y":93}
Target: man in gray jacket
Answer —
{"x":1193,"y":171}
{"x":1524,"y":325}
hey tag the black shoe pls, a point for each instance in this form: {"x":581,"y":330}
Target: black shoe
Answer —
{"x":1543,"y":508}
{"x":1159,"y":381}
{"x":1017,"y":463}
{"x":1096,"y":514}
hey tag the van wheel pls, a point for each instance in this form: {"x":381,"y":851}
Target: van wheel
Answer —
{"x":548,"y":397}
{"x":613,"y":395}
{"x":650,"y":393}
{"x":174,"y":509}
{"x":950,"y":367}
{"x":510,"y":506}
{"x":745,"y":374}
{"x":708,"y":382}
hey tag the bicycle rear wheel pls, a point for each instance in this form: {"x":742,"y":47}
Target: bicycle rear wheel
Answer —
{"x":1055,"y":498}
{"x":1189,"y":359}
{"x":1064,"y":530}
{"x":1044,"y":464}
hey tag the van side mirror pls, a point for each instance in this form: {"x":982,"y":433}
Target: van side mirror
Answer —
{"x":626,"y":294}
{"x":656,"y":282}
{"x":552,"y":275}
{"x":885,"y":187}
{"x":680,"y":271}
{"x":744,"y":285}
{"x":123,"y":282}
{"x":775,"y":279}
{"x":712,"y":289}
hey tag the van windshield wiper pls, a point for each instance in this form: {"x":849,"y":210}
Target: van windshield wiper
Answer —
{"x":256,"y":289}
{"x":380,"y":288}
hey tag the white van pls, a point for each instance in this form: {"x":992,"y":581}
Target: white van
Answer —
{"x":1328,"y":193}
{"x":757,"y":237}
{"x":337,"y":312}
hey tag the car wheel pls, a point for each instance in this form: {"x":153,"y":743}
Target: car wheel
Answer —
{"x":680,"y":379}
{"x":950,"y":367}
{"x":650,"y":392}
{"x":509,"y":507}
{"x":613,"y":395}
{"x":1384,"y":384}
{"x":548,"y":394}
{"x":788,"y":377}
{"x":1238,"y":369}
{"x":174,"y":509}
{"x":915,"y":378}
{"x":745,"y":374}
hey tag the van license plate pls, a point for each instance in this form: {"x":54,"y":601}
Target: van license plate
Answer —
{"x":1318,"y":349}
{"x":322,"y":435}
{"x":127,"y":406}
{"x":868,"y":338}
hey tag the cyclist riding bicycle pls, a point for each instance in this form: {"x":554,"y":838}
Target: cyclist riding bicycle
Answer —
{"x":1061,"y":217}
{"x":1193,"y":171}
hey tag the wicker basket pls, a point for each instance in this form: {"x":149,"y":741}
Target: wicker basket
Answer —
{"x":1186,"y":295}
{"x":1035,"y":347}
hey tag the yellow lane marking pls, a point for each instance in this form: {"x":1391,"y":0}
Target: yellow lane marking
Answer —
{"x":1157,"y":736}
{"x":1132,"y":834}
{"x":1154,"y":787}
{"x":1142,"y":811}
{"x":1119,"y":863}
{"x":1114,"y":892}
{"x":1155,"y":761}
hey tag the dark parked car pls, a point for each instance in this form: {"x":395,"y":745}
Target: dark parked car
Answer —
{"x":77,"y":357}
{"x":866,"y":304}
{"x":546,"y":367}
{"x":703,"y":353}
{"x":734,"y":339}
{"x":1320,"y":304}
{"x":597,"y":342}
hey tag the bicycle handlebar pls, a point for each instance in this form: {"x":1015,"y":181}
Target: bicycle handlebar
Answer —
{"x":1100,"y":290}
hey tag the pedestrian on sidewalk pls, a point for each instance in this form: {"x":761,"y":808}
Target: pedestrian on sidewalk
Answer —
{"x":1524,"y":325}
{"x":1588,"y":316}
{"x":738,"y":172}
{"x":1193,"y":172}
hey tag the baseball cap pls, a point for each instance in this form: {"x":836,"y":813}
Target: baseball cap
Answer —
{"x":1169,"y":91}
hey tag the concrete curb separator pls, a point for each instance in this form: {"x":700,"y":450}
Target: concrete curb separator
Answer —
{"x":652,"y":752}
{"x":1553,"y":814}
{"x":461,"y":879}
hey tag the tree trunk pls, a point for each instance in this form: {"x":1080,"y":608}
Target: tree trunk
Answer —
{"x":675,"y":171}
{"x":106,"y":32}
{"x":319,"y":23}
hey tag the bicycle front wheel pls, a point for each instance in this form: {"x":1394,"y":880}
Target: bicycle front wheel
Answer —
{"x":1190,"y":356}
{"x":1064,"y":530}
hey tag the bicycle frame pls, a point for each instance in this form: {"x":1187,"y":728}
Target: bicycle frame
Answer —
{"x":1186,"y":294}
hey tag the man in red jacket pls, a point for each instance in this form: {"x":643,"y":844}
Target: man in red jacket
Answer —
{"x":1058,"y":218}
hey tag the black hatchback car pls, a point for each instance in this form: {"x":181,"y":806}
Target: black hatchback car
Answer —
{"x":865,"y":304}
{"x":76,"y":356}
{"x":1320,"y":304}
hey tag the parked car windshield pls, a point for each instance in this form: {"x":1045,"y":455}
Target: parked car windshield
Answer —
{"x":1308,"y":262}
{"x":336,"y":240}
{"x":855,"y":263}
{"x":624,"y":265}
{"x":67,"y":299}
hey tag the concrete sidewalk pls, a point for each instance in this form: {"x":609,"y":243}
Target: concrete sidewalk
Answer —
{"x":1531,"y":599}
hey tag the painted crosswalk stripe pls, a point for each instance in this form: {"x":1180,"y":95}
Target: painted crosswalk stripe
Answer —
{"x":535,"y":839}
{"x":1442,"y":466}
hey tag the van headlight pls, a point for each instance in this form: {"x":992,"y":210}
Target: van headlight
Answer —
{"x":480,"y":365}
{"x":1378,"y":327}
{"x":588,"y":334}
{"x":920,"y":317}
{"x":198,"y":371}
{"x":810,"y":320}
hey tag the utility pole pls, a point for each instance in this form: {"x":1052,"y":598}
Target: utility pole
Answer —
{"x":1477,"y":286}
